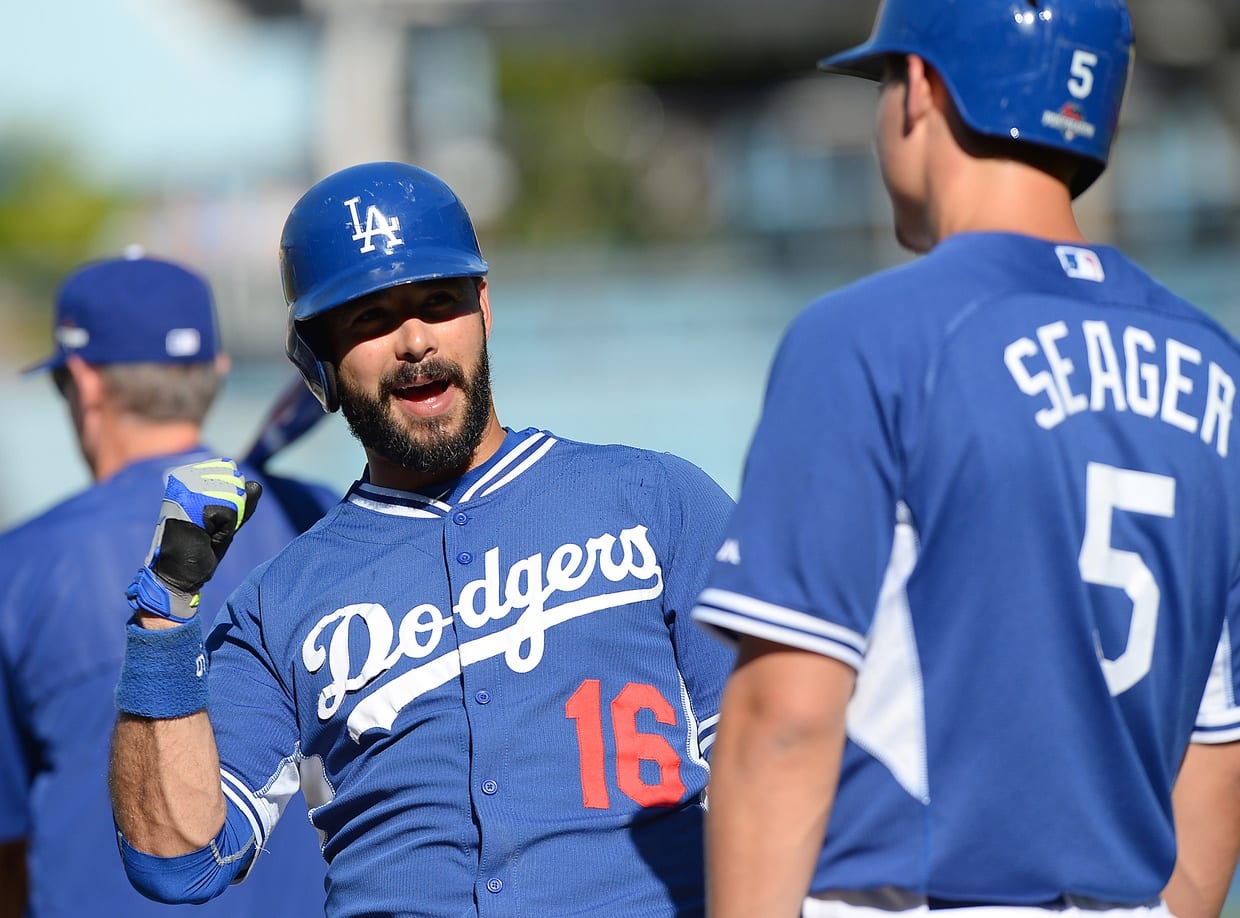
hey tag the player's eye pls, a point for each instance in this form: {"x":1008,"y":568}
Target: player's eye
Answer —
{"x":441,"y":300}
{"x":368,"y":316}
{"x":441,"y":304}
{"x":372,"y":315}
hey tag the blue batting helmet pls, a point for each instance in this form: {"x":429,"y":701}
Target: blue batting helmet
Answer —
{"x":363,"y":229}
{"x":1048,"y":72}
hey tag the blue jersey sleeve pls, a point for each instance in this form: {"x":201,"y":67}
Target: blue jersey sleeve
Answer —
{"x":699,"y":511}
{"x":252,"y":711}
{"x":828,"y":440}
{"x":14,"y":772}
{"x":196,"y":877}
{"x":259,"y":761}
{"x":1218,"y":719}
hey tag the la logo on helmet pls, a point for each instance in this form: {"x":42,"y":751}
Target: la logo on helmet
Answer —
{"x":377,"y":223}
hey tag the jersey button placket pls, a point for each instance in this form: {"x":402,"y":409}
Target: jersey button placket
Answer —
{"x":460,"y":517}
{"x":495,"y":846}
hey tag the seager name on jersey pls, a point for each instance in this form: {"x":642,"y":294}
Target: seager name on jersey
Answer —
{"x":532,"y":585}
{"x":1134,"y":373}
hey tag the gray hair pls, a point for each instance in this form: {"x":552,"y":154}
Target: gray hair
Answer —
{"x":163,"y":391}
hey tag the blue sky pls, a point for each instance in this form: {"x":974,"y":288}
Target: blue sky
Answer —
{"x":160,"y":92}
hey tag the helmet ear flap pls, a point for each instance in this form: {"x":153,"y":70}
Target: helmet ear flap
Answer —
{"x":331,"y":387}
{"x":320,"y":375}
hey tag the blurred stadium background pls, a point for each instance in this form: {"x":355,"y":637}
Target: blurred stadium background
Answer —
{"x":659,"y":186}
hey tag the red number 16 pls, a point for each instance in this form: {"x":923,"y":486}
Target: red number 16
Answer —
{"x":632,"y":746}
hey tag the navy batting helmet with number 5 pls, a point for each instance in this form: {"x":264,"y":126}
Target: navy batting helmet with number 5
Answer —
{"x":1048,"y":72}
{"x":363,"y":229}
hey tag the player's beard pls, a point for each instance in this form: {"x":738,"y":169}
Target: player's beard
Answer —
{"x":432,"y":445}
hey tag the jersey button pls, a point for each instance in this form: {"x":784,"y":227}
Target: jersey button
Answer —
{"x":482,"y":697}
{"x":460,"y":518}
{"x":489,"y":787}
{"x":465,"y":557}
{"x":495,"y":884}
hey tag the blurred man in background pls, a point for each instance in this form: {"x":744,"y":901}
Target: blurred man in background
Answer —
{"x":138,"y":364}
{"x":988,"y":536}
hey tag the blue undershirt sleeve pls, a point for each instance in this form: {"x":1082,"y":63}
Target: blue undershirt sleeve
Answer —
{"x":198,"y":876}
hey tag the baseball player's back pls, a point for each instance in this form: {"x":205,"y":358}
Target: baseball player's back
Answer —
{"x":1044,"y":451}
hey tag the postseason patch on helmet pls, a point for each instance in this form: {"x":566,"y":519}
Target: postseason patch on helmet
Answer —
{"x":1069,"y":121}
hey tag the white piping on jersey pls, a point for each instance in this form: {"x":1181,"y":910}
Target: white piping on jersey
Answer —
{"x":1216,"y":735}
{"x":508,"y":460}
{"x":263,"y":808}
{"x":412,"y":504}
{"x":738,"y":612}
{"x":410,"y":499}
{"x":708,"y":726}
{"x":392,"y":509}
{"x":728,"y":625}
{"x":1218,"y":718}
{"x":694,"y":748}
{"x":235,"y":791}
{"x":887,"y":713}
{"x":317,"y":789}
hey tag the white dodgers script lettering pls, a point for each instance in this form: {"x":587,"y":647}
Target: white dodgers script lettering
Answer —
{"x":542,"y":592}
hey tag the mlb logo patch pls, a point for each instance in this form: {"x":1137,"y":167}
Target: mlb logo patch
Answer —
{"x":1081,"y":264}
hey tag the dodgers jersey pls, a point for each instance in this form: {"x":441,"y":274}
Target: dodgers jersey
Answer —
{"x":493,"y":697}
{"x":1002,"y":483}
{"x":62,"y":640}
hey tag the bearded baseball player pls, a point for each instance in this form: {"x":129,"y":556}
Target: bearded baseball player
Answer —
{"x":989,"y":529}
{"x":479,"y":668}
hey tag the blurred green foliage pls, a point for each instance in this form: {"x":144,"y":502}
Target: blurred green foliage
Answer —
{"x":569,"y":189}
{"x":594,"y":186}
{"x":50,"y":219}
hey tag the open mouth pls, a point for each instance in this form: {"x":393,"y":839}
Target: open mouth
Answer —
{"x":424,"y":396}
{"x":421,"y":390}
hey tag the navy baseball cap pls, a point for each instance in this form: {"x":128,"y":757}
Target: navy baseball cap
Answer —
{"x":133,"y":310}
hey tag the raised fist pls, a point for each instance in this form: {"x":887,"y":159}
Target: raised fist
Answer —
{"x":204,"y":505}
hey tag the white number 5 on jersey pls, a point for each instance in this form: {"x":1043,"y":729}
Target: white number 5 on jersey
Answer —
{"x":1108,"y":489}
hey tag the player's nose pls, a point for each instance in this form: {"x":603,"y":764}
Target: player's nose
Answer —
{"x":415,"y":340}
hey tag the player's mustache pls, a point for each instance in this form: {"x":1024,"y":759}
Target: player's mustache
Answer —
{"x":434,"y":368}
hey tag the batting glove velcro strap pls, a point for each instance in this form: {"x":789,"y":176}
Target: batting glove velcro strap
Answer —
{"x":147,"y":593}
{"x":203,"y":507}
{"x":164,"y":674}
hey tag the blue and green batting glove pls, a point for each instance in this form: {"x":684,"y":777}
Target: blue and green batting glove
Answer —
{"x":204,"y":505}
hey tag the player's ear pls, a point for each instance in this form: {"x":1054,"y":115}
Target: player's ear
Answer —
{"x":87,"y":381}
{"x":926,"y":91}
{"x":484,"y":304}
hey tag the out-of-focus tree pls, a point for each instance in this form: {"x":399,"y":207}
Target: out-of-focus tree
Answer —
{"x":51,"y":218}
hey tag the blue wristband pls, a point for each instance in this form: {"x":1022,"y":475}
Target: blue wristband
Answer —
{"x":165,"y":671}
